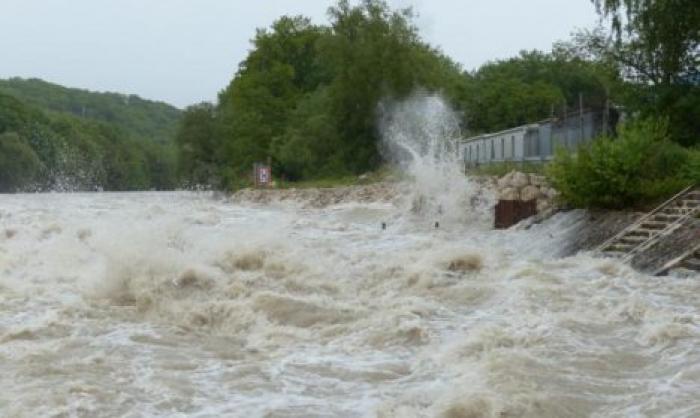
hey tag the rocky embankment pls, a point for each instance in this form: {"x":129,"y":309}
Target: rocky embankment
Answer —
{"x":322,"y":197}
{"x":521,"y":186}
{"x":591,"y":228}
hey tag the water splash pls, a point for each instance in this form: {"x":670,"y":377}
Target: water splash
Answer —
{"x":420,"y":135}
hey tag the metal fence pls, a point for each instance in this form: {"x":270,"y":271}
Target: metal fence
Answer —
{"x":536,"y":142}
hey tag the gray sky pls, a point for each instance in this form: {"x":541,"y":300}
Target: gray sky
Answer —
{"x":186,"y":51}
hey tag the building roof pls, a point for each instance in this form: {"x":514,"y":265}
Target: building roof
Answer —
{"x":506,"y":131}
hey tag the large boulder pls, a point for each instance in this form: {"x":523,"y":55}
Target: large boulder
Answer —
{"x":519,"y":180}
{"x":505,"y":181}
{"x":529,"y":193}
{"x":509,"y":193}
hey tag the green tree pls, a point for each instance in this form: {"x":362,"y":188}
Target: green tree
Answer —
{"x":161,"y":165}
{"x":657,"y":48}
{"x":139,"y":118}
{"x":59,"y":151}
{"x":661,"y":38}
{"x":531,"y":87}
{"x":640,"y":166}
{"x":257,"y":104}
{"x":19,"y":165}
{"x":375,"y":53}
{"x":198,"y":149}
{"x":307,"y":96}
{"x":310,"y":146}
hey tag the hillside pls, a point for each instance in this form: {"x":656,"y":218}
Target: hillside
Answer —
{"x":53,"y":150}
{"x":141,"y":119}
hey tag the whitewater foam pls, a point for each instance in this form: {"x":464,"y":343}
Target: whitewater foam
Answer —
{"x":296,"y":311}
{"x":420,"y":135}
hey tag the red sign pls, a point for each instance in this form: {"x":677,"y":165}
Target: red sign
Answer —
{"x":263,"y":175}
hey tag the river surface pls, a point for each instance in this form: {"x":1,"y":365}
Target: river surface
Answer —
{"x":180,"y":304}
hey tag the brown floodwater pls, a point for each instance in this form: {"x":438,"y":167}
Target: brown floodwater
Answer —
{"x":180,"y":304}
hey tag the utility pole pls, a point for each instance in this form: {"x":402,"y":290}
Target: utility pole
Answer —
{"x":566,"y":125}
{"x":580,"y":112}
{"x":606,"y":112}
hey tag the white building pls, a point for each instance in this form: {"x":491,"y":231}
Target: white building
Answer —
{"x":530,"y":143}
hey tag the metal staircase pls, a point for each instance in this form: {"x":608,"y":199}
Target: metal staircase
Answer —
{"x":653,"y":226}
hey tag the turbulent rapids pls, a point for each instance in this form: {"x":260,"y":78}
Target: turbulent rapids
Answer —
{"x":159,"y":304}
{"x":184,"y":304}
{"x":156,"y":304}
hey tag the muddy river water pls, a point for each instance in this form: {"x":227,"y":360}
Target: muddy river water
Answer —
{"x":181,"y":304}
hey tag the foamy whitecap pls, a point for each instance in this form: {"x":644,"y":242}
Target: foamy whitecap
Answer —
{"x":278,"y":311}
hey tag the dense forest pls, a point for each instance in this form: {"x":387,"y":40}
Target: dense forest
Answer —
{"x":142,"y":119}
{"x":56,"y":138}
{"x":307,"y":95}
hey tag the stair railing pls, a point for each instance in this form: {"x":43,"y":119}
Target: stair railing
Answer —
{"x":643,"y":218}
{"x":676,"y":261}
{"x":663,"y":233}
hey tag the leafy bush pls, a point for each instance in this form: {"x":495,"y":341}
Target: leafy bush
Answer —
{"x":691,"y":170}
{"x":640,"y":166}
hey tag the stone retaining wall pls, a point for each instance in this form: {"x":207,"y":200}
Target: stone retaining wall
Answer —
{"x":522,"y":186}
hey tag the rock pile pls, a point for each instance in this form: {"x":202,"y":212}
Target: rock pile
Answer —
{"x":521,"y":186}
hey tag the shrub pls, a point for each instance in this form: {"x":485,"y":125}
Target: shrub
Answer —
{"x":691,"y":170}
{"x":641,"y":166}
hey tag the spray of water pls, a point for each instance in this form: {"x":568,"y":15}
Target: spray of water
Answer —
{"x":420,"y":136}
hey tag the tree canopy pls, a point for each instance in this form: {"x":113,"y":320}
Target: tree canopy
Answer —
{"x":661,"y":38}
{"x":656,"y":47}
{"x":531,"y":87}
{"x":307,"y":95}
{"x":44,"y":149}
{"x":142,"y":119}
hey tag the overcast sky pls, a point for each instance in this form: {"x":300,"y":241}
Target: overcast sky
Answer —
{"x":186,"y":51}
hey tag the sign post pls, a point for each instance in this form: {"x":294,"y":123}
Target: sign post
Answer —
{"x":262,"y":175}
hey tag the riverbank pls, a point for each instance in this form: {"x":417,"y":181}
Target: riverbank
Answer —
{"x":321,"y":197}
{"x":591,"y":227}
